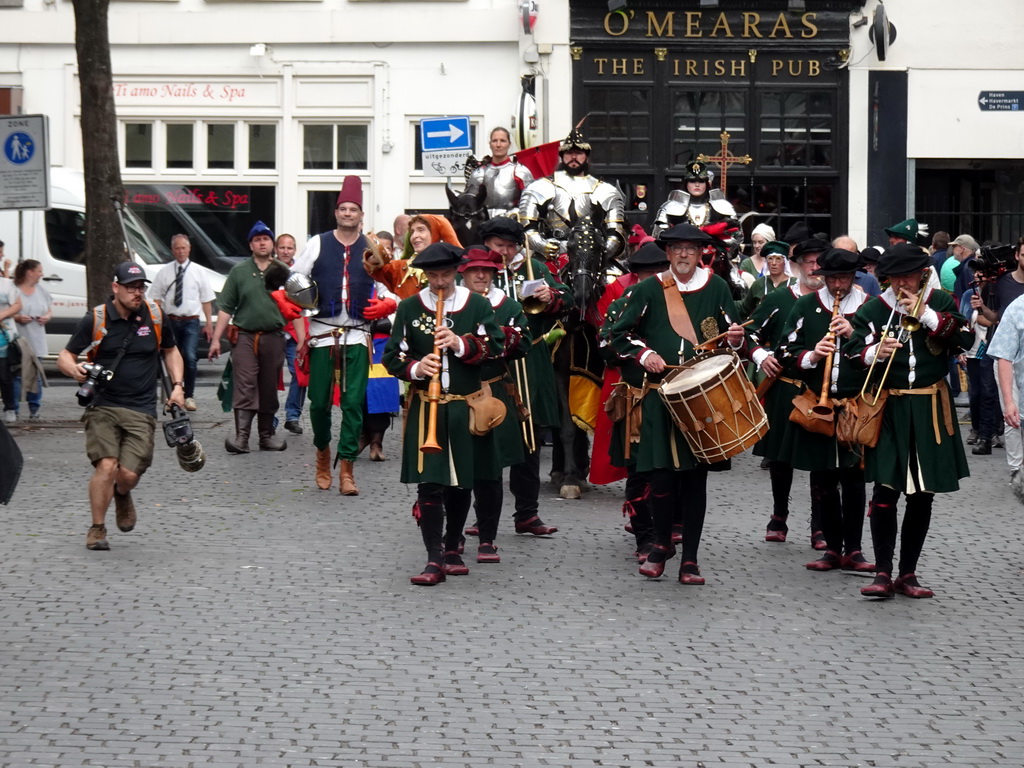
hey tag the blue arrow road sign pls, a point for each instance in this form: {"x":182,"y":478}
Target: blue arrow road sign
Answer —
{"x":445,"y":133}
{"x":1001,"y":101}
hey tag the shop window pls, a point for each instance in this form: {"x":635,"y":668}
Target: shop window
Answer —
{"x":418,"y":161}
{"x":341,"y":147}
{"x":262,"y":146}
{"x":220,"y":145}
{"x":796,"y":129}
{"x":138,"y":145}
{"x":698,"y":118}
{"x":620,"y":126}
{"x":180,"y":139}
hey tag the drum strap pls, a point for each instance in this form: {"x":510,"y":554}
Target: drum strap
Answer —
{"x":678,"y":317}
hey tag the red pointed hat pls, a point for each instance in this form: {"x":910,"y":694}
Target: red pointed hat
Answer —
{"x":351,"y":192}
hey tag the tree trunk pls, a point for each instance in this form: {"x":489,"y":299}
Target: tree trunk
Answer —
{"x":104,"y":238}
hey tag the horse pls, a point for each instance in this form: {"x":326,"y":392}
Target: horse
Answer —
{"x":578,"y":366}
{"x":466,"y":212}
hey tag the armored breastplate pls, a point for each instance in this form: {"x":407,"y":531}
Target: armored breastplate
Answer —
{"x":502,"y":190}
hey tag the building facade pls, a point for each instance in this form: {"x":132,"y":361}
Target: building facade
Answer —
{"x":250,"y":109}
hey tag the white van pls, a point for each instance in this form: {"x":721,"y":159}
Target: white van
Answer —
{"x":56,"y":239}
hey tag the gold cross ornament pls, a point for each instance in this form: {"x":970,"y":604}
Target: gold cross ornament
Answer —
{"x":724,"y":159}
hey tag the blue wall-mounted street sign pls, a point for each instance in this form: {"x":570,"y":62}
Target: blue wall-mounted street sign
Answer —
{"x":1001,"y":101}
{"x":24,"y":162}
{"x":439,"y":133}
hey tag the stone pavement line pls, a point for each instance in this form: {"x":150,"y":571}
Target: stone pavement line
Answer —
{"x":251,"y":620}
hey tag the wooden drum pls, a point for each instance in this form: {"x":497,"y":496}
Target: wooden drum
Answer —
{"x":714,"y":406}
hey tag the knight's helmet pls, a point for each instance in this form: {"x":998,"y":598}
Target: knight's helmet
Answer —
{"x":697,"y":171}
{"x":574,"y":140}
{"x":301,"y":290}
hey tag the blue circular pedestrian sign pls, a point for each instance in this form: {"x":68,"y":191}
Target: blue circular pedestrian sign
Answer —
{"x":19,"y":148}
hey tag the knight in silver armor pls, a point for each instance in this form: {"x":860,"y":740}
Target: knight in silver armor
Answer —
{"x":550,"y":206}
{"x":501,"y":176}
{"x":698,"y":204}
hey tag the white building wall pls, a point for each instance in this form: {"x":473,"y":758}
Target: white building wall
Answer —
{"x":390,"y":63}
{"x":952,"y":51}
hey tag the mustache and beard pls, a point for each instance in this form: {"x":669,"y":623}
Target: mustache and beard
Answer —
{"x":583,"y":169}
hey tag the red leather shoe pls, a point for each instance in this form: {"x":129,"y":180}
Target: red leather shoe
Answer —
{"x":855,"y":561}
{"x":643,"y":552}
{"x":628,"y":527}
{"x":487,"y":553}
{"x":473,"y":530}
{"x":689,"y":573}
{"x":776,"y":535}
{"x":818,"y":540}
{"x":827,"y":562}
{"x":880,"y":587}
{"x":677,"y":533}
{"x":453,"y":565}
{"x":911,"y":587}
{"x":653,"y":569}
{"x":428,"y":578}
{"x":535,"y":526}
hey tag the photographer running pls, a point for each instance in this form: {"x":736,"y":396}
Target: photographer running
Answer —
{"x":120,"y":339}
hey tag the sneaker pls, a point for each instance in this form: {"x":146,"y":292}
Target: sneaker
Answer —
{"x":293,"y":426}
{"x":96,"y":539}
{"x":997,"y":442}
{"x":10,"y":416}
{"x":190,"y":404}
{"x":35,"y":416}
{"x":962,"y":400}
{"x":125,"y":508}
{"x":972,"y":437}
{"x":1017,"y":484}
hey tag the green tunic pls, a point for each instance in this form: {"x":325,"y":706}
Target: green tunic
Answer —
{"x":464,"y":458}
{"x":629,"y":372}
{"x":247,"y":300}
{"x":765,"y":333}
{"x":643,"y":325}
{"x":908,"y":434}
{"x":758,"y":291}
{"x":806,"y":325}
{"x":543,"y":391}
{"x":508,"y":436}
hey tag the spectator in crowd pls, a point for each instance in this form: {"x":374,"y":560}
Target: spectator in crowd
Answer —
{"x":36,"y":311}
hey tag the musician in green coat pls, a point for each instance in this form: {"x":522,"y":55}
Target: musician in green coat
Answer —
{"x":816,"y":334}
{"x":919,"y":452}
{"x":467,"y":337}
{"x":551,"y":300}
{"x":478,"y":271}
{"x":658,"y":337}
{"x":765,"y":335}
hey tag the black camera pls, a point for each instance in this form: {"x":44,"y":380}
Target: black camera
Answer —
{"x":96,"y":377}
{"x":178,"y":429}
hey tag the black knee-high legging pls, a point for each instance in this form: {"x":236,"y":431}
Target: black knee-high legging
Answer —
{"x":638,"y":507}
{"x":840,"y":495}
{"x":435,"y":502}
{"x":916,"y":519}
{"x":781,"y":475}
{"x":686,"y":490}
{"x":488,"y":497}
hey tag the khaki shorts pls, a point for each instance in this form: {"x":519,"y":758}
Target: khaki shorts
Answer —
{"x":119,"y":433}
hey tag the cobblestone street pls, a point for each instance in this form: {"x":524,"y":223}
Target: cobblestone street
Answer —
{"x":253,"y":620}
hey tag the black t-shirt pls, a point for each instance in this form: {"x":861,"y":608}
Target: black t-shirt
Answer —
{"x":134,"y":385}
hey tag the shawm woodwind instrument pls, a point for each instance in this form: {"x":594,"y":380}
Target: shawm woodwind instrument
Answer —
{"x":823,"y":410}
{"x":430,"y":444}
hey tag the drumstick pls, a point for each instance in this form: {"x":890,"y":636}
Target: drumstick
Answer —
{"x":720,"y":336}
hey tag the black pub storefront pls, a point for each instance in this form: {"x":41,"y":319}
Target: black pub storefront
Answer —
{"x":660,"y":81}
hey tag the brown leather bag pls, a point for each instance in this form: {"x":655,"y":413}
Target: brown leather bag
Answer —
{"x":485,"y":411}
{"x":616,"y":406}
{"x":860,"y":423}
{"x":801,"y":415}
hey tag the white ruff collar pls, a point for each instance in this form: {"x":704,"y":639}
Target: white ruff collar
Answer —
{"x":700,"y":278}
